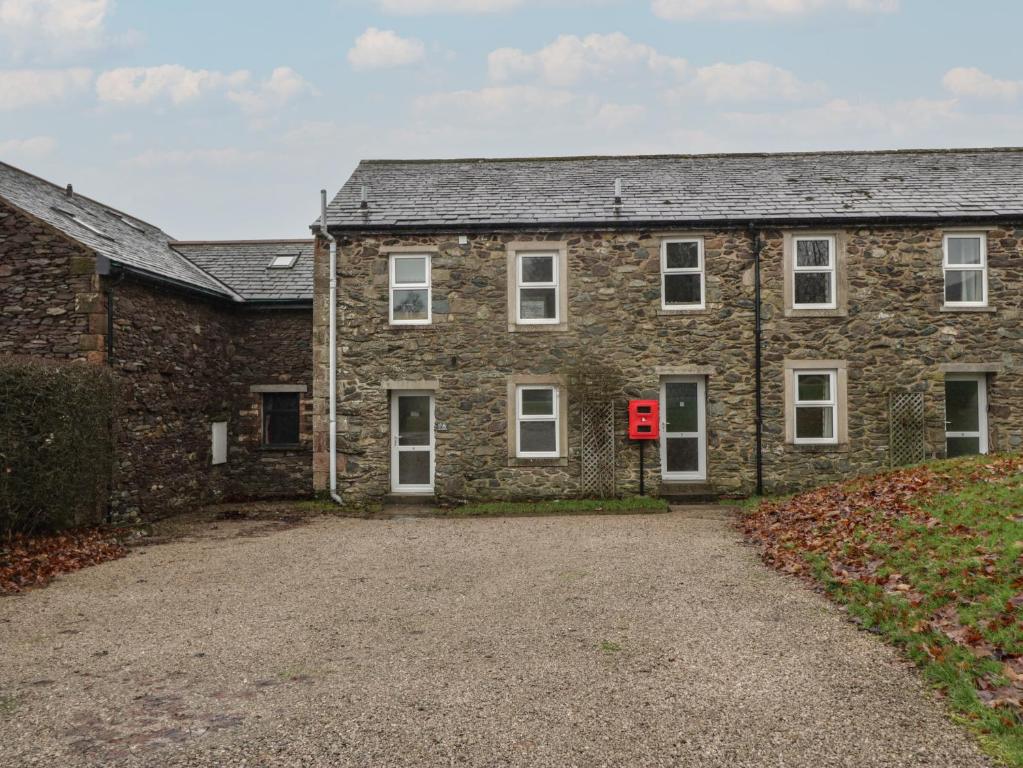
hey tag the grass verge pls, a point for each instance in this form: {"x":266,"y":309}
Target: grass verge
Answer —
{"x":629,"y":505}
{"x":931,"y":559}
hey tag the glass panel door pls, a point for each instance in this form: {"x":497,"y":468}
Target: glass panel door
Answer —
{"x":965,"y":414}
{"x":683,"y":429}
{"x":412,"y":442}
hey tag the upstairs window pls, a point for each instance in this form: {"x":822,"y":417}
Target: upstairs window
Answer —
{"x":537,"y":426}
{"x":280,"y":418}
{"x":537,"y":299}
{"x":965,"y":265}
{"x":682,"y":274}
{"x":816,"y":407}
{"x":813,"y":273}
{"x":410,"y":290}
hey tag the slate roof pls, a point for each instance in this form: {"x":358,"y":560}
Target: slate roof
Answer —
{"x":231,"y":270}
{"x":125,"y":239}
{"x":245,"y":266}
{"x":795,"y":187}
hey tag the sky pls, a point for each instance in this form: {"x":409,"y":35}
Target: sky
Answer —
{"x":224,"y":118}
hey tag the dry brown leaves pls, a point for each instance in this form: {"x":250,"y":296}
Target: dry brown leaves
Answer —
{"x":30,"y":561}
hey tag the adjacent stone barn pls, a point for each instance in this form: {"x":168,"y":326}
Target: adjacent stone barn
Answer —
{"x":471,"y":293}
{"x":211,"y":341}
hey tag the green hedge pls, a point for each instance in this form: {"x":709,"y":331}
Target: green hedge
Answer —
{"x":56,"y":444}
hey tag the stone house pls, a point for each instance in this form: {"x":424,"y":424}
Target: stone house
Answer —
{"x":212,"y":342}
{"x":782,"y":309}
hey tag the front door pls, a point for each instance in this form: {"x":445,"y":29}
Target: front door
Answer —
{"x":965,"y":414}
{"x":684,"y":429}
{"x":412,"y":442}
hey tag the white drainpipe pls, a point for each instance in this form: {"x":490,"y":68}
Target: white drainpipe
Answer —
{"x":332,"y":345}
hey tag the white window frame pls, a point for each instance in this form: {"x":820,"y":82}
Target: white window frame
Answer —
{"x":947,"y":267}
{"x":554,"y":283}
{"x":832,"y":375}
{"x":698,"y":270}
{"x":396,"y":286}
{"x":555,"y":418}
{"x":831,"y":270}
{"x":283,"y":261}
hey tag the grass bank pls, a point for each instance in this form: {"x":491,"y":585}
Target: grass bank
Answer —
{"x":931,"y":559}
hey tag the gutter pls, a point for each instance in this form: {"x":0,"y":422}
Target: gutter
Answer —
{"x":332,"y":347}
{"x":610,"y":225}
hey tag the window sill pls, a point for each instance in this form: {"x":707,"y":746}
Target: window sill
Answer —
{"x":296,"y":448}
{"x":662,"y":312}
{"x":514,"y":461}
{"x":796,"y":312}
{"x":537,"y":328}
{"x":954,"y":308}
{"x":817,"y":447}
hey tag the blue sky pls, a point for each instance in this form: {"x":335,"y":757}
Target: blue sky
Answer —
{"x":223,"y":118}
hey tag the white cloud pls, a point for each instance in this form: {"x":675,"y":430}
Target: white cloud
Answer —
{"x":742,"y":10}
{"x":975,"y":83}
{"x":283,"y":85}
{"x":570,"y":58}
{"x":60,"y":26}
{"x":36,"y":146}
{"x":144,"y":85}
{"x":380,"y":48}
{"x":497,"y":103}
{"x":446,"y":6}
{"x":219,"y":158}
{"x":751,"y":81}
{"x":30,"y":87}
{"x":617,"y":116}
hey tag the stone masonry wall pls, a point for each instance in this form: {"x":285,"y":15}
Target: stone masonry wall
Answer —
{"x":49,"y":300}
{"x":893,"y":336}
{"x":272,"y":346}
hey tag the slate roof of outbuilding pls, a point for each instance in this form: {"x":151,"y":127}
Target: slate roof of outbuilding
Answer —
{"x":230,"y":270}
{"x":125,"y":239}
{"x":665,"y":189}
{"x":245,"y":266}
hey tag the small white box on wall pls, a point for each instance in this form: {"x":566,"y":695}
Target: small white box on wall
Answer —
{"x":219,"y":442}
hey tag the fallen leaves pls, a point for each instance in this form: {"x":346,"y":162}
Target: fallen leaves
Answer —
{"x":860,"y":538}
{"x":30,"y":561}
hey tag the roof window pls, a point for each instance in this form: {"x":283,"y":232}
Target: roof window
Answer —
{"x":283,"y":261}
{"x":82,"y":223}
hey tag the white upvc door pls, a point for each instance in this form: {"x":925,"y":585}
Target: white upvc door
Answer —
{"x":684,"y":428}
{"x":966,"y":428}
{"x":412,"y":442}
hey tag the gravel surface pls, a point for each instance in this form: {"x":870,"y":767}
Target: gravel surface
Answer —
{"x":575,"y":641}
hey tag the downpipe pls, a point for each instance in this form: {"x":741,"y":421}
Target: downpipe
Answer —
{"x":332,"y":347}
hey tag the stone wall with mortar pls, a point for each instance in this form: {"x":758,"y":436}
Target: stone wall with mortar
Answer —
{"x":893,"y":335}
{"x":50,"y":304}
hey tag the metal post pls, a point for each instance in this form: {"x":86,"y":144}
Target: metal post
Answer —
{"x":642,"y":474}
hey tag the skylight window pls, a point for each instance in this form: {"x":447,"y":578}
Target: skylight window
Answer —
{"x":125,"y":220}
{"x":283,"y":261}
{"x":82,"y":223}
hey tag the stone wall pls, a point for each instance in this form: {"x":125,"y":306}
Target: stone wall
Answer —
{"x":892,"y":336}
{"x":272,"y":347}
{"x":49,"y":301}
{"x":187,"y":362}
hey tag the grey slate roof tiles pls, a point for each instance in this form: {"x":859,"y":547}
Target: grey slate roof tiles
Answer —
{"x":234,"y":271}
{"x":918,"y":184}
{"x":245,"y":266}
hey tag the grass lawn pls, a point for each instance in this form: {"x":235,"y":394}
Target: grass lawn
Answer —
{"x":931,"y":559}
{"x":629,"y":505}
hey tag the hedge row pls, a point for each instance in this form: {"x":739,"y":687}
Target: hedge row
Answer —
{"x":56,"y":444}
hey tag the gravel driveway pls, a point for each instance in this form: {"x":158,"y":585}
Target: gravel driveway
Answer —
{"x":574,"y":641}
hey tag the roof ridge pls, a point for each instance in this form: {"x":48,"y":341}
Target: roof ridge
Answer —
{"x":670,"y":156}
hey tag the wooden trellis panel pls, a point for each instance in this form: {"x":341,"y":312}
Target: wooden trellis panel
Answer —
{"x":598,"y":449}
{"x":907,"y":442}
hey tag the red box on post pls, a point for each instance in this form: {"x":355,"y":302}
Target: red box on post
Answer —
{"x":644,"y":419}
